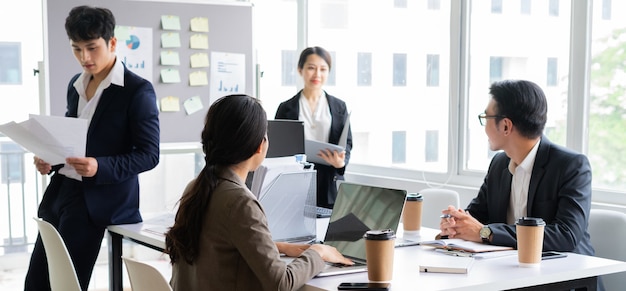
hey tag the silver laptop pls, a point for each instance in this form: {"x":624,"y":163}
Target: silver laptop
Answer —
{"x":359,"y":208}
{"x":289,"y":205}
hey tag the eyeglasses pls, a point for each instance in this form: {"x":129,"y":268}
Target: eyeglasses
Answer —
{"x":482,"y":118}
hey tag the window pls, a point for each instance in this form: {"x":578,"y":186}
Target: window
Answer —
{"x":552,"y":79}
{"x":399,"y":69}
{"x":398,"y":147}
{"x":364,"y":69}
{"x":432,"y":70}
{"x":397,"y":77}
{"x":525,"y":7}
{"x":496,"y":6}
{"x":10,"y":63}
{"x":290,"y":67}
{"x":553,"y":8}
{"x":512,"y":57}
{"x":607,"y":113}
{"x":432,"y":146}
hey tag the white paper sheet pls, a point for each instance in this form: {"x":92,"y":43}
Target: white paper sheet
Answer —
{"x":51,"y":138}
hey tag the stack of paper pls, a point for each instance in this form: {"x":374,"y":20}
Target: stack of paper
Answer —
{"x":269,"y":170}
{"x":51,"y":138}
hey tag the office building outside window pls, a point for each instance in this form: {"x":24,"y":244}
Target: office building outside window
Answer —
{"x":289,"y":64}
{"x":431,"y":153}
{"x":10,"y":63}
{"x":332,"y":75}
{"x":553,"y":8}
{"x":496,"y":6}
{"x":434,"y":4}
{"x":432,"y":70}
{"x":364,"y":69}
{"x":400,"y":3}
{"x":399,"y":69}
{"x":525,"y":7}
{"x":552,"y":70}
{"x":398,"y":148}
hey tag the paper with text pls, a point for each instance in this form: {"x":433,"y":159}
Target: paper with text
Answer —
{"x":51,"y":138}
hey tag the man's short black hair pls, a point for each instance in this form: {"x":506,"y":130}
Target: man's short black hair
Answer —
{"x":88,"y":23}
{"x":524,"y":103}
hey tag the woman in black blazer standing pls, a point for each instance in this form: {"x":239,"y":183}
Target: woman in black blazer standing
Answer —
{"x":324,"y":117}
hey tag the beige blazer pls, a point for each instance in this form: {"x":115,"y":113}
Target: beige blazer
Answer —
{"x":236,"y":248}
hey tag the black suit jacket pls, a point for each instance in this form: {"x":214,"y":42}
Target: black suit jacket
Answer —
{"x":124,"y":138}
{"x":326,"y":175}
{"x":559,"y":193}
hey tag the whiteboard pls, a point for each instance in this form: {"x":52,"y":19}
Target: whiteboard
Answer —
{"x":230,"y":31}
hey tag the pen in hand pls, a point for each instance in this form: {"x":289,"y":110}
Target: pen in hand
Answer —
{"x":445,"y":216}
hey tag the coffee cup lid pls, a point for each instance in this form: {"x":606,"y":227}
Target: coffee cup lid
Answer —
{"x":383,"y":234}
{"x":530,"y":221}
{"x":414,"y":197}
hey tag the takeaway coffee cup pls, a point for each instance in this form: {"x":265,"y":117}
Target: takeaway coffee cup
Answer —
{"x":529,"y":241}
{"x":412,"y":213}
{"x":379,"y":247}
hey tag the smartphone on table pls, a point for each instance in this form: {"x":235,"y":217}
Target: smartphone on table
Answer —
{"x":552,"y":255}
{"x":364,"y":286}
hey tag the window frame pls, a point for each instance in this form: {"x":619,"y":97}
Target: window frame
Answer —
{"x":577,"y":103}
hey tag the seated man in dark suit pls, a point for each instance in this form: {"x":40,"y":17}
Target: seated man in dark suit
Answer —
{"x":531,"y":177}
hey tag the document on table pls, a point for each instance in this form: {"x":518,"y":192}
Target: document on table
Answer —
{"x":51,"y":138}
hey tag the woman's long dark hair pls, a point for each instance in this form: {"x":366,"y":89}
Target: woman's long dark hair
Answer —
{"x":234,"y":129}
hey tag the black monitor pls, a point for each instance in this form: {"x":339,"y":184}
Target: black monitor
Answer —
{"x":286,"y":138}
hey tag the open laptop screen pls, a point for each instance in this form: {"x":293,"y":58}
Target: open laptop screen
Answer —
{"x":286,"y":138}
{"x":359,"y":208}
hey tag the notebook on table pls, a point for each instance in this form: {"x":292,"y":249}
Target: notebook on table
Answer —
{"x":359,"y":208}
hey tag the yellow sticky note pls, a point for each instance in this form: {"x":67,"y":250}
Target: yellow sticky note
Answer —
{"x":200,"y":24}
{"x":170,"y":39}
{"x":170,"y":58}
{"x":170,"y":22}
{"x":198,"y":78}
{"x":170,"y":104}
{"x":193,"y":105}
{"x":199,"y":60}
{"x":199,"y":41}
{"x":170,"y":76}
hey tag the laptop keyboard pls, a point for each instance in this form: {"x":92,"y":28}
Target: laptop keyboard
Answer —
{"x":323,"y":212}
{"x":340,"y":265}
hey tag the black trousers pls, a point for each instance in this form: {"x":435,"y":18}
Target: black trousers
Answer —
{"x":63,"y":205}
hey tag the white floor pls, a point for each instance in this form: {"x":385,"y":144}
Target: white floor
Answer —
{"x":13,"y":267}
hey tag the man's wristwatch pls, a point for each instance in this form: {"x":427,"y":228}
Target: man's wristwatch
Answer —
{"x":485,"y":233}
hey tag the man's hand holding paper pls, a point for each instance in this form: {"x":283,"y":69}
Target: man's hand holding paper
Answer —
{"x":51,"y":139}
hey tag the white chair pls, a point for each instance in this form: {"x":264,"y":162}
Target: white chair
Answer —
{"x":60,"y":266}
{"x":435,"y":200}
{"x":608,"y":232}
{"x":144,"y":277}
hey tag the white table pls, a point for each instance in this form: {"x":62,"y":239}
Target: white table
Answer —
{"x":500,"y":273}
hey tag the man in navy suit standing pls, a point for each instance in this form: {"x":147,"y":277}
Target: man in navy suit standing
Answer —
{"x":122,"y":141}
{"x":530,"y":177}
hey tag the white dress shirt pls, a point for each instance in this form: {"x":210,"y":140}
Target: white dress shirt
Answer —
{"x":520,"y":182}
{"x":316,"y":123}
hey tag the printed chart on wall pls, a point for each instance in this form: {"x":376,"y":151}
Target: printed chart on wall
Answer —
{"x":134,"y":48}
{"x":228,"y":74}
